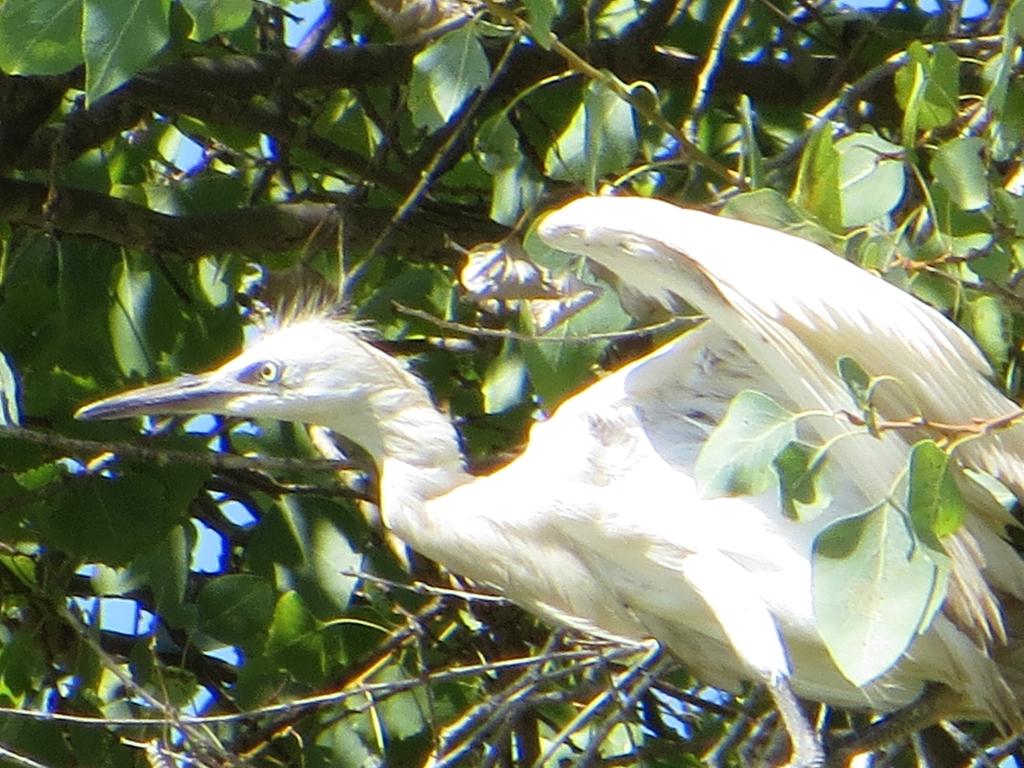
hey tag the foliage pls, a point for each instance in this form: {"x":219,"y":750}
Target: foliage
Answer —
{"x":167,"y":167}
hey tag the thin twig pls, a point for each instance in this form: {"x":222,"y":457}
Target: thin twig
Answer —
{"x":576,"y":659}
{"x":473,"y":330}
{"x":164,"y":456}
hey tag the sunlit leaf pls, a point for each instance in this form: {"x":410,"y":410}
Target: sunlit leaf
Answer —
{"x":445,"y":74}
{"x":120,"y":37}
{"x":872,"y":178}
{"x":737,"y":459}
{"x":873,"y":587}
{"x":928,"y":88}
{"x":958,"y":166}
{"x":933,"y":499}
{"x":211,"y":17}
{"x":505,"y":380}
{"x":858,"y":382}
{"x":991,"y":326}
{"x":817,"y":184}
{"x":601,"y":138}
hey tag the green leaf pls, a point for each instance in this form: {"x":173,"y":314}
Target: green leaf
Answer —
{"x":933,"y":498}
{"x":753,"y":162}
{"x":119,"y":38}
{"x":236,"y":609}
{"x":928,"y":89}
{"x":22,"y":664}
{"x":299,"y":544}
{"x":873,"y":588}
{"x":216,"y":279}
{"x":817,"y":183}
{"x":858,"y":382}
{"x":39,"y":477}
{"x":799,"y":467}
{"x":504,"y":383}
{"x":164,"y":569}
{"x":111,"y":520}
{"x":737,"y":458}
{"x":445,"y":74}
{"x":139,"y":319}
{"x":516,"y":185}
{"x":540,"y":14}
{"x":958,"y":166}
{"x":296,"y":641}
{"x":211,"y":17}
{"x":770,"y":209}
{"x":40,"y":37}
{"x":600,"y":139}
{"x":991,"y":327}
{"x":872,"y":179}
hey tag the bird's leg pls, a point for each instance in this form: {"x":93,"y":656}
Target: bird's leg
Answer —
{"x":807,"y":749}
{"x":934,"y":702}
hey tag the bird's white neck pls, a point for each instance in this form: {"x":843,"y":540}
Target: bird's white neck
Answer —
{"x":417,"y":452}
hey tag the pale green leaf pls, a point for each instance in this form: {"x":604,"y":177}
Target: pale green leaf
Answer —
{"x":873,"y":590}
{"x":119,"y":38}
{"x":737,"y":458}
{"x":516,"y":185}
{"x":445,"y":75}
{"x":872,"y":179}
{"x":40,"y":37}
{"x":958,"y":166}
{"x":770,"y":209}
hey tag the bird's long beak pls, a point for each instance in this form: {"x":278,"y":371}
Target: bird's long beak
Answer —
{"x":205,"y":393}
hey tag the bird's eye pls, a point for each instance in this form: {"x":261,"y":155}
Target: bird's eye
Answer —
{"x":270,"y":372}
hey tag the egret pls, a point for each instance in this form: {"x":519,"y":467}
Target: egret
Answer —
{"x":601,"y":524}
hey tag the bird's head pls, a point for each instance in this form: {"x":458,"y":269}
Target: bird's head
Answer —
{"x":315,"y":370}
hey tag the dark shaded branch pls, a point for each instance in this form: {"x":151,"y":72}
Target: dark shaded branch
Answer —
{"x":82,"y":130}
{"x":250,"y":231}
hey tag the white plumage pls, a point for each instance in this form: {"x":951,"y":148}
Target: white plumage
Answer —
{"x":600,"y":524}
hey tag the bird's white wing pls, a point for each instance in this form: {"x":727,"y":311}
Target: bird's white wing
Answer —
{"x":797,"y":309}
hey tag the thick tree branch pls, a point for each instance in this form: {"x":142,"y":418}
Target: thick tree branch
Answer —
{"x":251,"y":231}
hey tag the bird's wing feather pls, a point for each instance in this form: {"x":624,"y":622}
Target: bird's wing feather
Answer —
{"x":797,"y":311}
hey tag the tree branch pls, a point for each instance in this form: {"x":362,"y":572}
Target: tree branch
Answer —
{"x":249,"y":231}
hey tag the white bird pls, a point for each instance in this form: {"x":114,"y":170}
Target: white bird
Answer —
{"x":601,"y":524}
